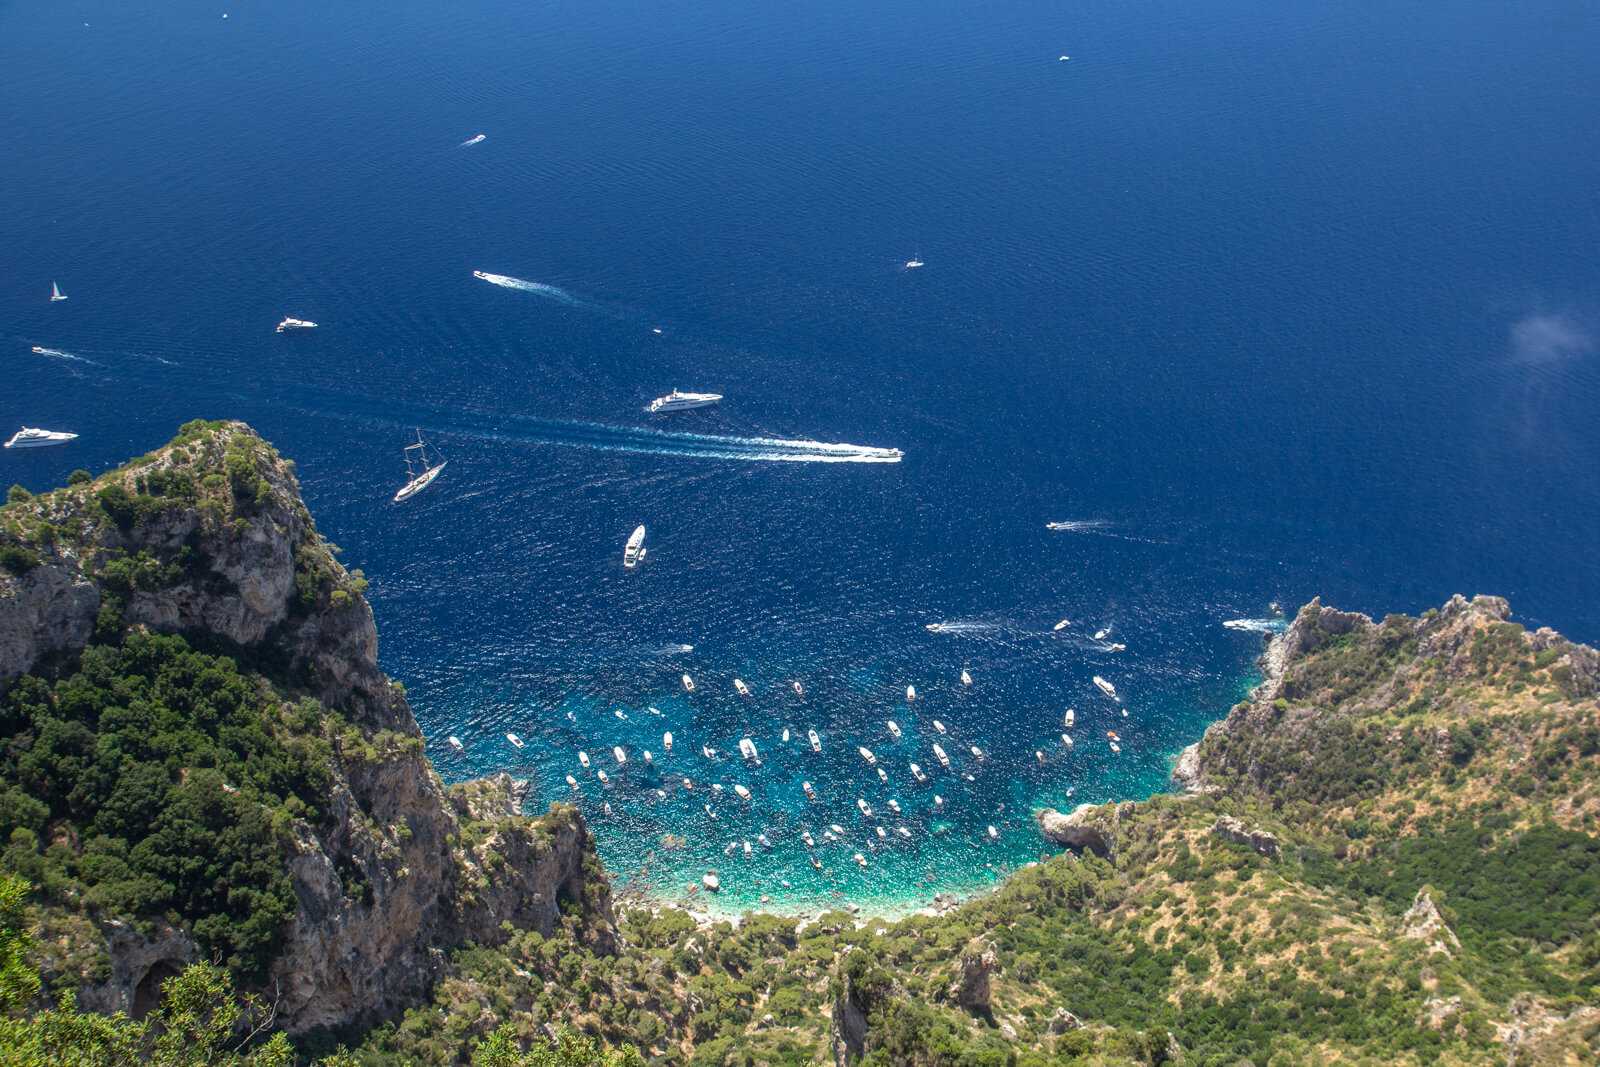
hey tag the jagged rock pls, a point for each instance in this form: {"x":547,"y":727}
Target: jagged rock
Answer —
{"x":50,"y":608}
{"x":971,"y":989}
{"x":1063,"y":1021}
{"x":1079,"y":830}
{"x":1424,"y":923}
{"x":849,"y":1037}
{"x":1230,"y":829}
{"x":140,"y":962}
{"x":1438,"y":1013}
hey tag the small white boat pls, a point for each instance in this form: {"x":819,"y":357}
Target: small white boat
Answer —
{"x":816,"y":742}
{"x":583,"y":758}
{"x":1071,"y":718}
{"x":894,"y":805}
{"x":707,"y":751}
{"x":1115,"y":747}
{"x":977,"y":752}
{"x":861,"y":860}
{"x":709,"y":812}
{"x":688,"y":784}
{"x":994,"y":835}
{"x":938,"y":801}
{"x":602,"y":776}
{"x":937,"y":725}
{"x":56,"y":293}
{"x":866,"y":754}
{"x":688,"y":684}
{"x":619,"y":713}
{"x":573,"y":782}
{"x":676,"y":401}
{"x":1038,"y":755}
{"x":935,"y":627}
{"x":916,"y":772}
{"x":744,"y":794}
{"x":881,"y":832}
{"x":944,"y":760}
{"x":894,"y":729}
{"x":514,"y":739}
{"x":1100,"y":635}
{"x":30,"y":437}
{"x":717,"y":788}
{"x":764,"y":841}
{"x":805,"y":835}
{"x":911,"y":693}
{"x":455,"y":743}
{"x":666,"y":740}
{"x":862,"y":804}
{"x":295,"y":324}
{"x":1063,"y":624}
{"x":634,"y":550}
{"x":1116,"y":648}
{"x":882,"y":777}
{"x":1124,"y":713}
{"x":913,"y":263}
{"x":622,"y":757}
{"x":747,"y":848}
{"x":1066,"y":740}
{"x":1105,"y":687}
{"x":836,"y":828}
{"x":608,"y":807}
{"x":422,"y":474}
{"x":799,"y":690}
{"x":661,"y":794}
{"x":811,"y":794}
{"x":786,"y":735}
{"x":966,"y":679}
{"x":654,"y":712}
{"x":743,"y":689}
{"x":747,"y":748}
{"x":474,"y":140}
{"x":902,"y":831}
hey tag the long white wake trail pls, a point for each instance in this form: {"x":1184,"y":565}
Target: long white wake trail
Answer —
{"x":549,"y":292}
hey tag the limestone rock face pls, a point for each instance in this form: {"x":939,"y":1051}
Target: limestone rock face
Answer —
{"x":849,"y":1040}
{"x":1083,"y":829}
{"x":140,"y":961}
{"x":971,"y":989}
{"x":50,"y":608}
{"x":1230,"y":829}
{"x":1423,"y":922}
{"x":1063,"y":1021}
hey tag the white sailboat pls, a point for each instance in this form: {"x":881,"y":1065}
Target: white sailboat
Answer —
{"x":419,"y":480}
{"x":966,"y":679}
{"x":56,"y":293}
{"x":634,"y":550}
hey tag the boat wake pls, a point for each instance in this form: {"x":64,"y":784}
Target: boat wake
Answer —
{"x":962,"y":627}
{"x":549,"y":292}
{"x":1258,"y":626}
{"x":56,"y":353}
{"x":1101,"y":527}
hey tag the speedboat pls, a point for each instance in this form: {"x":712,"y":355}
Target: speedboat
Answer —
{"x":799,"y":690}
{"x":707,"y":751}
{"x":709,"y":812}
{"x":966,"y":679}
{"x":816,"y":742}
{"x":1100,"y":635}
{"x":977,"y":752}
{"x":882,"y":776}
{"x":893,"y":728}
{"x":1063,"y":624}
{"x":862,"y":804}
{"x":916,"y":772}
{"x":583,"y":758}
{"x":805,"y":835}
{"x":654,"y":712}
{"x":455,"y":743}
{"x":912,"y":263}
{"x":836,"y":828}
{"x":935,"y":627}
{"x":295,"y":324}
{"x":514,"y":739}
{"x":688,"y":784}
{"x":647,"y":757}
{"x":743,"y":689}
{"x":902,"y":831}
{"x":676,"y":401}
{"x":666,"y":740}
{"x":911,"y":693}
{"x":619,"y":713}
{"x":1038,"y":755}
{"x":881,"y":832}
{"x":938,"y":801}
{"x":602,"y":776}
{"x":1105,"y":687}
{"x":744,"y":794}
{"x":688,"y":683}
{"x":866,"y":754}
{"x":786,"y":735}
{"x":994,"y":835}
{"x":747,"y":848}
{"x":811,"y":794}
{"x":1115,"y":648}
{"x":944,"y":760}
{"x":894,"y":805}
{"x":1066,"y":740}
{"x":937,"y":725}
{"x":661,"y":794}
{"x":861,"y":860}
{"x":1115,"y":747}
{"x":747,"y":749}
{"x":764,"y":841}
{"x":29,"y":437}
{"x":622,"y":757}
{"x":573,"y":782}
{"x":1071,"y":717}
{"x":475,"y":140}
{"x":422,"y":474}
{"x":634,"y":550}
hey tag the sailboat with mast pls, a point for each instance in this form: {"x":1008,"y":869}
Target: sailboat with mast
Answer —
{"x":419,"y":480}
{"x":56,"y":293}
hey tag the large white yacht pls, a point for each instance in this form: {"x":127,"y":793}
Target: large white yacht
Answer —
{"x":1105,"y":687}
{"x":422,"y":472}
{"x":295,"y":324}
{"x":634,"y":551}
{"x":676,"y":401}
{"x":29,"y":437}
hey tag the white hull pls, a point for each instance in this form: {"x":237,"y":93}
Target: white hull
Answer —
{"x":676,"y":401}
{"x":33,"y":438}
{"x":1105,"y":687}
{"x":634,"y":550}
{"x":295,"y":324}
{"x":419,"y":483}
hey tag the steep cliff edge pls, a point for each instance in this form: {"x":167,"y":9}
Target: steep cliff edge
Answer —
{"x":208,"y":538}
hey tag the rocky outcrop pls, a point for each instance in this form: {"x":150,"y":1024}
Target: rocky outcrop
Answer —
{"x":1063,"y":1021}
{"x":849,"y":1038}
{"x":1423,"y":922}
{"x":1230,"y":829}
{"x":1088,"y":826}
{"x":971,"y":989}
{"x":385,"y":884}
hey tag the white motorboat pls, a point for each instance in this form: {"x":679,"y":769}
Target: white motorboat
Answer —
{"x":977,"y":752}
{"x":661,"y":794}
{"x":935,"y":627}
{"x":861,"y":860}
{"x":709,"y":812}
{"x":619,"y":713}
{"x":902,"y":831}
{"x":1063,"y":624}
{"x":295,"y":324}
{"x":688,"y":784}
{"x":938,"y":801}
{"x":1066,"y":739}
{"x":1115,"y":747}
{"x":916,"y":772}
{"x":707,"y":751}
{"x":56,"y":293}
{"x":583,"y":758}
{"x":473,"y":140}
{"x":420,"y":470}
{"x":514,"y":739}
{"x":862,"y":804}
{"x":994,"y":835}
{"x":666,"y":740}
{"x":966,"y":679}
{"x":836,"y":828}
{"x":647,"y":757}
{"x":1105,"y":687}
{"x":1071,"y":718}
{"x":1100,"y":635}
{"x":602,"y":776}
{"x":882,"y":833}
{"x":747,"y":848}
{"x":811,"y":794}
{"x":816,"y":742}
{"x":747,"y":748}
{"x":622,"y":757}
{"x":786,"y":735}
{"x":744,"y":794}
{"x":634,"y":550}
{"x":688,"y":683}
{"x":913,"y":263}
{"x":676,"y":401}
{"x":764,"y":841}
{"x":894,"y":728}
{"x":911,"y":693}
{"x":1038,"y":755}
{"x":30,"y":437}
{"x":805,"y":835}
{"x":573,"y":782}
{"x":455,"y":743}
{"x":894,"y":806}
{"x":1116,"y":648}
{"x":882,"y":775}
{"x":799,"y":690}
{"x":744,"y":690}
{"x":944,"y":760}
{"x":937,"y":725}
{"x":866,"y":754}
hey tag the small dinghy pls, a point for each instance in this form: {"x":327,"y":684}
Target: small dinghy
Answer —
{"x":573,"y":782}
{"x":583,"y":758}
{"x":622,"y":757}
{"x":666,"y":741}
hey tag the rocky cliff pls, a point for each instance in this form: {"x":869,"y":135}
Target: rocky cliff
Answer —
{"x":208,"y":537}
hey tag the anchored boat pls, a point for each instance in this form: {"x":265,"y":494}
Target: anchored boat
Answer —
{"x":634,"y":550}
{"x":419,"y":479}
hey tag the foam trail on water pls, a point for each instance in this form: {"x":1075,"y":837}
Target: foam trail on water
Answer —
{"x":549,"y":292}
{"x":56,"y":353}
{"x":532,"y":430}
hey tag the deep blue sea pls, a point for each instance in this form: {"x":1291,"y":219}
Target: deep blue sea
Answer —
{"x":1278,"y":300}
